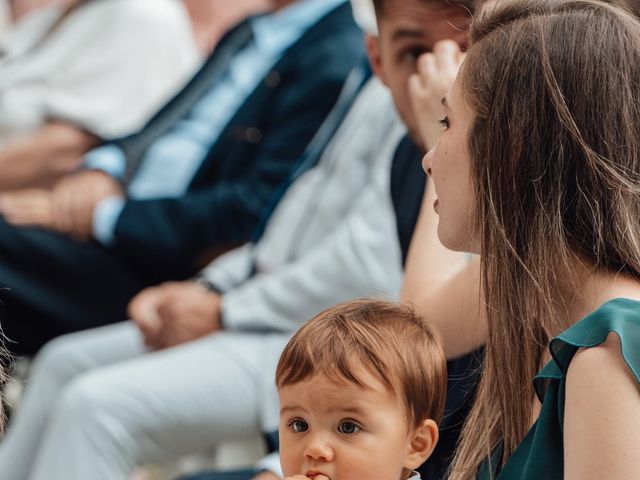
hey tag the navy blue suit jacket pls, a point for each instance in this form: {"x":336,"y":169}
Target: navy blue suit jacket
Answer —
{"x":256,"y":152}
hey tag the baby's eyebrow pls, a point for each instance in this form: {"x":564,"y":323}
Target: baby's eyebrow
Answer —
{"x":290,"y":408}
{"x":350,"y":409}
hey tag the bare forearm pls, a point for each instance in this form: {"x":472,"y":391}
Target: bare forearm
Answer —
{"x":444,"y":286}
{"x":429,"y":263}
{"x":40,"y":158}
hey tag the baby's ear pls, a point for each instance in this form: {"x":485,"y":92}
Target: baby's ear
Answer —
{"x":421,"y":443}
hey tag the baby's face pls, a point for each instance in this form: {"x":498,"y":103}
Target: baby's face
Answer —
{"x":343,"y":431}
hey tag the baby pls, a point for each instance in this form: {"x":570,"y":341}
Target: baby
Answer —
{"x":362,"y":387}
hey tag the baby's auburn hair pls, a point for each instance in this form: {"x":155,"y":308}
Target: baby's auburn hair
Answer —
{"x":387,"y":339}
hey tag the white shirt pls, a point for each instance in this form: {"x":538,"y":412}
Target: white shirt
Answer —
{"x":107,"y":67}
{"x":331,"y":238}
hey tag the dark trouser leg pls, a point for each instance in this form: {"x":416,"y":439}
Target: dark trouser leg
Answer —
{"x":55,"y":285}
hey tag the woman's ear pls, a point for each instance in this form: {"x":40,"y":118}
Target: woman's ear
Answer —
{"x":421,"y":444}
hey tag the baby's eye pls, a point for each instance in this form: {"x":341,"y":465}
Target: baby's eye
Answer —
{"x":348,"y":428}
{"x":299,"y":426}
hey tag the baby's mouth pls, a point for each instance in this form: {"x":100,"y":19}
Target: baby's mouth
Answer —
{"x":316,"y":475}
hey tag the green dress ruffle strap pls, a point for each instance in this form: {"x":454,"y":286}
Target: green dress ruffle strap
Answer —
{"x":540,"y":455}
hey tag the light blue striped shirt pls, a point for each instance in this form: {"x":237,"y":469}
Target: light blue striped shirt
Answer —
{"x":172,"y":160}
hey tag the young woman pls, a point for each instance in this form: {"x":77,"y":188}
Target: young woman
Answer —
{"x":538,"y":172}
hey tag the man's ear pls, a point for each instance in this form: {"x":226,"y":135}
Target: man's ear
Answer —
{"x":421,"y":444}
{"x":373,"y":51}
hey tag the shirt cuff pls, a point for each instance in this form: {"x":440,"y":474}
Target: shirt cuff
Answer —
{"x":109,"y":159}
{"x":271,"y":463}
{"x":105,"y":217}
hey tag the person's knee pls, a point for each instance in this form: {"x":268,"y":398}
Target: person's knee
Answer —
{"x":89,"y":404}
{"x":58,"y":361}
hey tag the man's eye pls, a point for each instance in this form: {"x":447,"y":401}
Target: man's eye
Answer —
{"x":299,"y":426}
{"x":413,"y":54}
{"x":348,"y":428}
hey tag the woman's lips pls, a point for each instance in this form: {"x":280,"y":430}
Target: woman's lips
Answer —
{"x":435,"y":205}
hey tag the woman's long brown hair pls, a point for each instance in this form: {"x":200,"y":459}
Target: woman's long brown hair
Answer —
{"x":555,"y":147}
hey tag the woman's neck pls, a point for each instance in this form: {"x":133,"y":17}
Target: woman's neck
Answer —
{"x":583,"y":289}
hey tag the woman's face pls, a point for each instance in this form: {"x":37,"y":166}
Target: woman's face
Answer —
{"x":449,"y":165}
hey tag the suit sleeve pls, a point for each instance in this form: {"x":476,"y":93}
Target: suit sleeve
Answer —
{"x":180,"y":229}
{"x":360,"y":257}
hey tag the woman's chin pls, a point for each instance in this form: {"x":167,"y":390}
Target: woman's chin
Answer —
{"x":455,"y":242}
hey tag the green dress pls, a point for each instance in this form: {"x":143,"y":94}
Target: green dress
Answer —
{"x":540,"y":455}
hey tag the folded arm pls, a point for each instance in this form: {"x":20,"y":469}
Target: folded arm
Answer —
{"x":41,"y":157}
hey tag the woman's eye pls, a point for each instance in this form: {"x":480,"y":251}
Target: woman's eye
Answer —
{"x":299,"y":426}
{"x":348,"y":428}
{"x":444,"y":122}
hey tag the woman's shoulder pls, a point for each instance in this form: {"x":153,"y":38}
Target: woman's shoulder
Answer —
{"x":600,"y":412}
{"x":607,"y":337}
{"x":613,"y":330}
{"x":605,"y":341}
{"x":589,"y":363}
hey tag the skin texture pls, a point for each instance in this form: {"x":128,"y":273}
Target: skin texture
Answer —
{"x":403,"y":39}
{"x":67,"y":208}
{"x":340,"y":431}
{"x":435,"y":74}
{"x":41,"y":157}
{"x":602,"y":396}
{"x":440,"y":280}
{"x":444,"y":285}
{"x":448,"y":164}
{"x":174,"y":313}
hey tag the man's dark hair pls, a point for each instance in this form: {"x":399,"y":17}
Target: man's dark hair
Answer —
{"x":468,"y":4}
